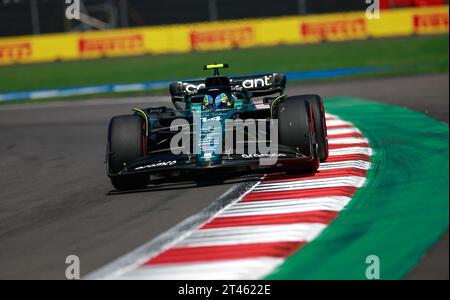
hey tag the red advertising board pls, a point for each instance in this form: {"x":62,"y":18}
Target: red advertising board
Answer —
{"x":385,"y":4}
{"x":430,"y":23}
{"x":221,"y":38}
{"x":115,"y":45}
{"x":15,"y":52}
{"x":334,"y":30}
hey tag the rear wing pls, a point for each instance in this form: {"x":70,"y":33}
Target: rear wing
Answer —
{"x":260,"y":85}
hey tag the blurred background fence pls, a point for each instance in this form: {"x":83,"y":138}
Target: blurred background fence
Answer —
{"x":23,"y":17}
{"x":34,"y":31}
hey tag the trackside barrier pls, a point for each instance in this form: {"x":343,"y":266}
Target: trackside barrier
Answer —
{"x":223,"y":35}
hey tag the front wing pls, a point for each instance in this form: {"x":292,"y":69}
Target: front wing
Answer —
{"x":164,"y":163}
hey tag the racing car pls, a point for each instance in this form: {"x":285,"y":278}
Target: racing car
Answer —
{"x":142,"y":143}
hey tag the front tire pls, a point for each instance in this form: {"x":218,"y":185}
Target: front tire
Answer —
{"x":320,"y":125}
{"x":126,"y":143}
{"x":294,"y":124}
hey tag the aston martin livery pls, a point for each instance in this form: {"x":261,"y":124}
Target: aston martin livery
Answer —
{"x":219,"y":124}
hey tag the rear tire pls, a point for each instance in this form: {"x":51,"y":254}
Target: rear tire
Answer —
{"x":126,"y":143}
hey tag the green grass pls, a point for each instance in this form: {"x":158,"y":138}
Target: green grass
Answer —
{"x":401,"y":56}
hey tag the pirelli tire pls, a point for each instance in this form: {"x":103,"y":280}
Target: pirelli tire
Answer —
{"x":126,"y":143}
{"x":320,"y":125}
{"x":294,"y":125}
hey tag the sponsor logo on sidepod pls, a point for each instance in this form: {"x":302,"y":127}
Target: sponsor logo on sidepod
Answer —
{"x":156,"y":165}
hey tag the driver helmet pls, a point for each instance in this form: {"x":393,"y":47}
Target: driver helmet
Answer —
{"x":208,"y":102}
{"x":223,"y":101}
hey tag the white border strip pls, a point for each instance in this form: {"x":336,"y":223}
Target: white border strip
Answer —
{"x":134,"y":259}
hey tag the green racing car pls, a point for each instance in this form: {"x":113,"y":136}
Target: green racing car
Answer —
{"x":219,"y":124}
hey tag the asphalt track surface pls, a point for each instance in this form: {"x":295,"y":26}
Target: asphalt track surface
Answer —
{"x":55,"y":199}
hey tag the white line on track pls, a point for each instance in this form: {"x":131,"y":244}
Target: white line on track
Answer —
{"x":358,"y":164}
{"x":351,"y":150}
{"x":302,"y":232}
{"x":270,"y":207}
{"x":134,"y":259}
{"x":342,"y":131}
{"x":354,"y":181}
{"x":338,"y":141}
{"x":249,"y":269}
{"x":334,"y":123}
